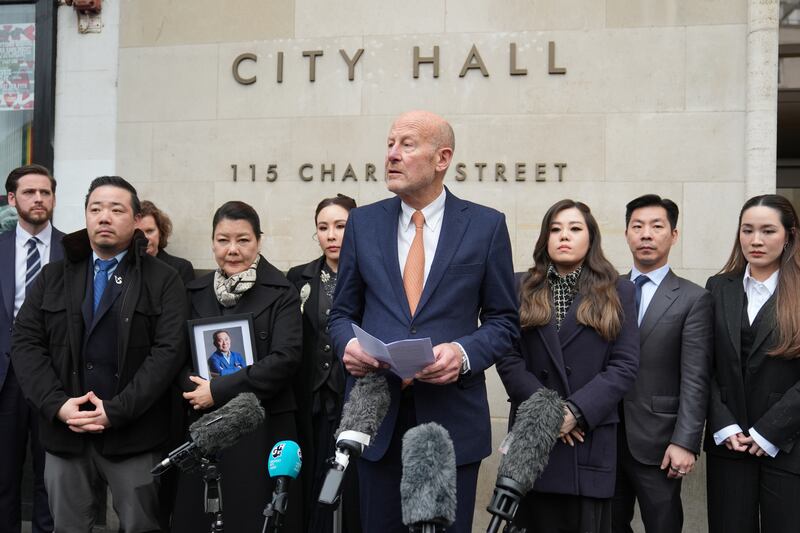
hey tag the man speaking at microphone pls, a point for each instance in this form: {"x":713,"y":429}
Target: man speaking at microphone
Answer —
{"x":95,"y":346}
{"x":425,"y":264}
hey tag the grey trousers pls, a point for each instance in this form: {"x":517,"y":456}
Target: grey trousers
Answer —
{"x":70,"y":482}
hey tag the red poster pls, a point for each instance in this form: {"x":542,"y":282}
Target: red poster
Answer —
{"x":17,"y":62}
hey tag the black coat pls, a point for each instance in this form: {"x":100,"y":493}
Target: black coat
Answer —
{"x":320,"y":384}
{"x":323,"y":365}
{"x":767,"y":398}
{"x":246,"y":487}
{"x":591,"y":372}
{"x":47,"y":348}
{"x":183,"y":266}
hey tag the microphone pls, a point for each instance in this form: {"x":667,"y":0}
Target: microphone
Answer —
{"x":428,"y":483}
{"x":528,"y":447}
{"x":362,"y":414}
{"x":214,"y":432}
{"x":284,"y":463}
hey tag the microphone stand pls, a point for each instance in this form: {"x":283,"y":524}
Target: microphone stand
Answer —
{"x":213,"y":493}
{"x":337,"y":518}
{"x":426,"y":527}
{"x":276,"y":509}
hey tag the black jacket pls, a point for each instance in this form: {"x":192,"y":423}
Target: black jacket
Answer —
{"x":275,"y":307}
{"x":767,"y":398}
{"x":48,"y":340}
{"x":183,"y":266}
{"x":277,"y":331}
{"x":318,"y":357}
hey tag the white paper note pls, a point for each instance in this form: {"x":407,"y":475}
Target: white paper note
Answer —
{"x":405,"y":357}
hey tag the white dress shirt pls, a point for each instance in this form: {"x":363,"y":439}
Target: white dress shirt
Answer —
{"x":433,"y":213}
{"x":649,"y":289}
{"x":758,"y":292}
{"x":21,"y":259}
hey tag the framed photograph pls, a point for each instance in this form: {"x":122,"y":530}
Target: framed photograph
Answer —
{"x":222,"y":345}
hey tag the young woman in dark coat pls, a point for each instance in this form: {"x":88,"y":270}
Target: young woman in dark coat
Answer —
{"x":246,"y":282}
{"x":753,"y":427}
{"x":579,"y":338}
{"x":322,"y":375}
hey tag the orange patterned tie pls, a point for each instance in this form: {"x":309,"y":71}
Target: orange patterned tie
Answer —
{"x":414,"y":271}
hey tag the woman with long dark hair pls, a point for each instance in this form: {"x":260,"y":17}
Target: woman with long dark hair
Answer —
{"x":753,"y":470}
{"x":246,"y":283}
{"x":322,"y":376}
{"x":579,"y":338}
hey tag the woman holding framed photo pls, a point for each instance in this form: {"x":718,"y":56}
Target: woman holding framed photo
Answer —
{"x":246,"y":283}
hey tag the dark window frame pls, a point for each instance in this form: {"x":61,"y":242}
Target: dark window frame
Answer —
{"x":45,"y":79}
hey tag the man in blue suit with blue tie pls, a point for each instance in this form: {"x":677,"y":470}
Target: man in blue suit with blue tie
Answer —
{"x":425,"y":264}
{"x":24,"y":251}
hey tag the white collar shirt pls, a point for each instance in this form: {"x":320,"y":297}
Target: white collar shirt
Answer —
{"x":758,"y":292}
{"x":21,"y":259}
{"x":434,"y":213}
{"x":649,"y":289}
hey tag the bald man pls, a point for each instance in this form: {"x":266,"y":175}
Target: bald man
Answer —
{"x":425,"y":264}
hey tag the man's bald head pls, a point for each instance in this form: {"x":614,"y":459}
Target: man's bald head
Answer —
{"x":437,"y":129}
{"x":419,"y":152}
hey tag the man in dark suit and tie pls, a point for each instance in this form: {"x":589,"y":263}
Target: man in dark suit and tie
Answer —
{"x":24,"y":251}
{"x":425,"y":264}
{"x":663,"y":415}
{"x":96,"y":344}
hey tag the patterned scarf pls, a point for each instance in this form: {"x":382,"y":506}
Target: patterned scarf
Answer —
{"x":229,"y":289}
{"x":563,"y":289}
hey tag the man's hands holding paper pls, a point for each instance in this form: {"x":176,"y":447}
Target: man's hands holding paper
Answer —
{"x":446,"y":368}
{"x":358,"y":362}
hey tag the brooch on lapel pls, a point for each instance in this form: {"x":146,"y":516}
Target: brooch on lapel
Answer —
{"x":305,"y":292}
{"x":118,"y":280}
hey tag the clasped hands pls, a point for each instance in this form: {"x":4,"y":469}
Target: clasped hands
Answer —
{"x":94,"y":421}
{"x":570,"y":432}
{"x":739,"y":442}
{"x":445,"y":368}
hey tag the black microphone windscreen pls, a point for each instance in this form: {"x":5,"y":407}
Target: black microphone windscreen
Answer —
{"x":428,"y":483}
{"x":533,"y":436}
{"x":367,"y":405}
{"x":222,"y":428}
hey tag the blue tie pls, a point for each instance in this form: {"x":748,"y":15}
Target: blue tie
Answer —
{"x":33,"y":262}
{"x":640,"y":280}
{"x":101,"y":278}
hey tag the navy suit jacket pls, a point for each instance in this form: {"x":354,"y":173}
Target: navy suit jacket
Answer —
{"x":591,"y":372}
{"x":471,"y":280}
{"x":8,"y":288}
